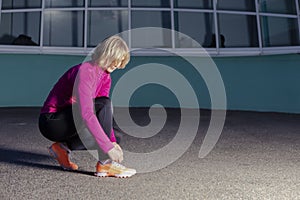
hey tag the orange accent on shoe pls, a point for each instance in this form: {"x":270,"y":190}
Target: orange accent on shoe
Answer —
{"x":113,"y":169}
{"x":60,"y":153}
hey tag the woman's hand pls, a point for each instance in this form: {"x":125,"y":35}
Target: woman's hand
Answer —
{"x":116,"y":153}
{"x":118,"y":147}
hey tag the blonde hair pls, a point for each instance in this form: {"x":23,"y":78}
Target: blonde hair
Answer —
{"x":112,"y":49}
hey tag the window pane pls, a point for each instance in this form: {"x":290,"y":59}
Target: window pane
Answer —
{"x":204,"y":4}
{"x":63,"y":28}
{"x":278,"y":6}
{"x":277,"y":31}
{"x":238,"y":30}
{"x":103,"y":24}
{"x":151,"y":19}
{"x":105,"y":3}
{"x":20,"y":28}
{"x":201,"y":29}
{"x":152,"y":3}
{"x":21,"y":4}
{"x":64,"y":3}
{"x":241,"y":5}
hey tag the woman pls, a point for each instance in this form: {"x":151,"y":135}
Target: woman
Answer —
{"x":86,"y":86}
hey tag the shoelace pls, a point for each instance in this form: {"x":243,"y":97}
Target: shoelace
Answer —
{"x":118,"y":165}
{"x":65,"y":148}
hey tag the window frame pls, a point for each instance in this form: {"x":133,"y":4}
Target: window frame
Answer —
{"x":217,"y":51}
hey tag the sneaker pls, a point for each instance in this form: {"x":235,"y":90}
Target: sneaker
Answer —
{"x":113,"y":169}
{"x":60,"y":153}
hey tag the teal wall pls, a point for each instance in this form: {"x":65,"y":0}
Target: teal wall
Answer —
{"x":257,"y":83}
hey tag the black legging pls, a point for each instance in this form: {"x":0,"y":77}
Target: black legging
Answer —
{"x":60,"y":126}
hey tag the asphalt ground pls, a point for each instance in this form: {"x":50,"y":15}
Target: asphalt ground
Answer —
{"x":256,"y":157}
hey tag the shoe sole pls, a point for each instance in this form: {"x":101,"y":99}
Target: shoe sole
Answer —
{"x":54,"y":156}
{"x":105,"y":174}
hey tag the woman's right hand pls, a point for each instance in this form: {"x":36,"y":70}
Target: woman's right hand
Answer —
{"x":115,"y":154}
{"x":118,"y":147}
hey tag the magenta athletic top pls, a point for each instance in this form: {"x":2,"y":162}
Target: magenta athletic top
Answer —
{"x":92,"y":82}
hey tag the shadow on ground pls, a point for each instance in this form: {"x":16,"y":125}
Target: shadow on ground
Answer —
{"x":30,"y":159}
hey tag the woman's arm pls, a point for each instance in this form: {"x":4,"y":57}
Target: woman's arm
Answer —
{"x":104,"y":91}
{"x":84,"y":88}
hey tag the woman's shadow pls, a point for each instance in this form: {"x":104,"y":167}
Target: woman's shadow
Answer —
{"x":30,"y":159}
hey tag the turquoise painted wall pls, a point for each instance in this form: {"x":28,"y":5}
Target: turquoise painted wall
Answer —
{"x":258,"y":83}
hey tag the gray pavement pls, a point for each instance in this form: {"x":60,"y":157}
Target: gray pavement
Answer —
{"x":256,"y":157}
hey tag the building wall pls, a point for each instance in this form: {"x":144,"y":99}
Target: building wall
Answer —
{"x":258,"y":83}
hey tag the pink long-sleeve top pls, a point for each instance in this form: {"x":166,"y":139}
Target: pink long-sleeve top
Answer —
{"x":89,"y":81}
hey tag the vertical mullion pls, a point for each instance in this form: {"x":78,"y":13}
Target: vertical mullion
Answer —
{"x":216,"y":25}
{"x":129,"y":24}
{"x":298,"y":17}
{"x":0,"y":10}
{"x":42,"y":26}
{"x":258,"y":26}
{"x":12,"y":19}
{"x":85,"y":26}
{"x":172,"y":24}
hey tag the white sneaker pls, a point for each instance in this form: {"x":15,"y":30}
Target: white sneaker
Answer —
{"x":113,"y":169}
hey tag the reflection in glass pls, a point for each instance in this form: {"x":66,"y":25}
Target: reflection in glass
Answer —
{"x":108,"y":3}
{"x":277,"y":31}
{"x":202,"y":4}
{"x":102,"y":24}
{"x":64,"y":3}
{"x":161,"y":19}
{"x":20,"y":28}
{"x":63,"y":28}
{"x":21,"y":4}
{"x":200,"y":29}
{"x":151,"y":3}
{"x":238,"y":30}
{"x":277,"y":6}
{"x":240,"y":5}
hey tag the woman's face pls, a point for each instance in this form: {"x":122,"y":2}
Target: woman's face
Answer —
{"x":114,"y":65}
